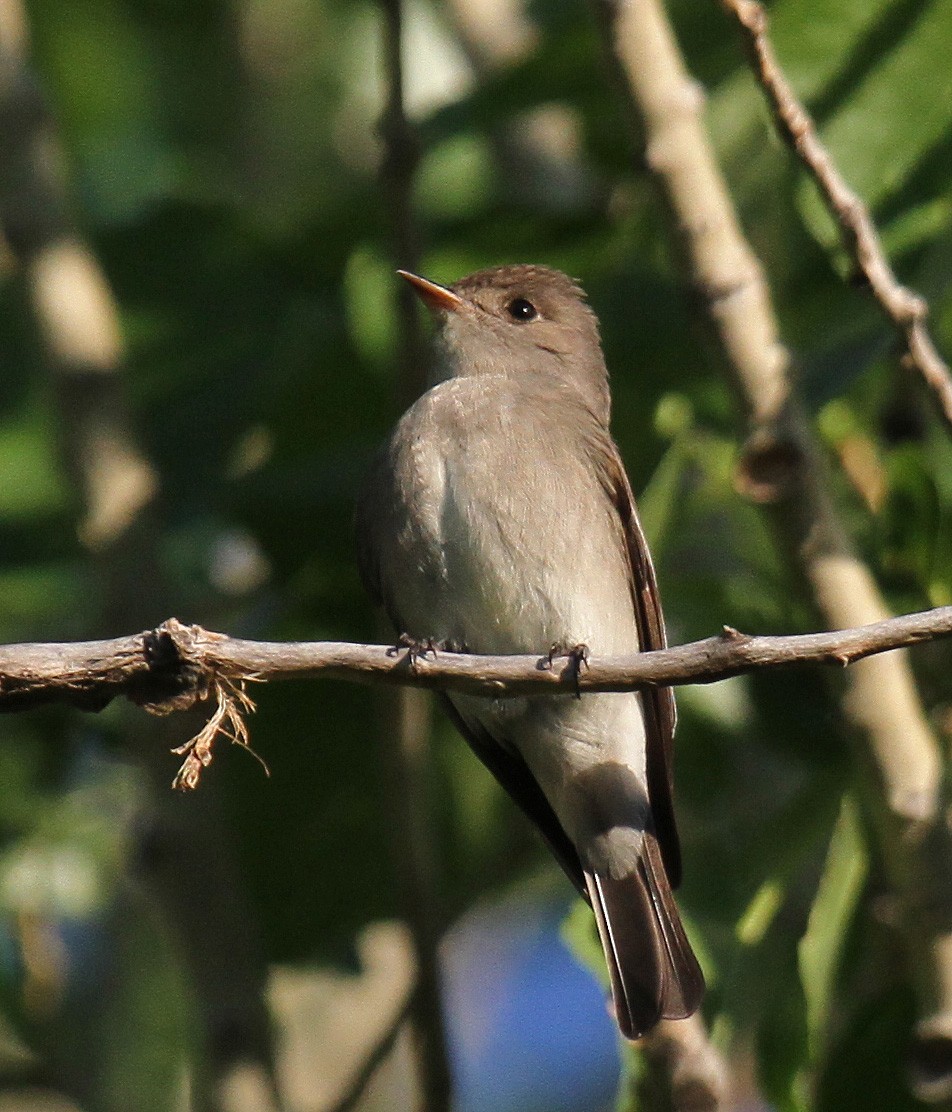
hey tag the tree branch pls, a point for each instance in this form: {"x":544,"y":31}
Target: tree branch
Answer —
{"x":175,"y":666}
{"x":684,"y":1071}
{"x":905,"y":310}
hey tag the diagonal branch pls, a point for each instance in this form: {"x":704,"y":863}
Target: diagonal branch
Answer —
{"x":906,"y":310}
{"x":896,"y":752}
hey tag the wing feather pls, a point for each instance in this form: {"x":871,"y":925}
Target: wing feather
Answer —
{"x":658,"y":702}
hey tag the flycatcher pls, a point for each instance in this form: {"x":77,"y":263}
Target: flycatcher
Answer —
{"x":499,"y":519}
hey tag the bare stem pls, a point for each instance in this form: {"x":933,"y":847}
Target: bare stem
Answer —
{"x":905,"y":310}
{"x":175,"y":666}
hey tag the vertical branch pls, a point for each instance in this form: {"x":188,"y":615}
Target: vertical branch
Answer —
{"x":410,"y":723}
{"x":683,"y":1070}
{"x":400,"y":159}
{"x":784,"y":470}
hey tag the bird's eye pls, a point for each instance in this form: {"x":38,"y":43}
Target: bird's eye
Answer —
{"x":521,"y":310}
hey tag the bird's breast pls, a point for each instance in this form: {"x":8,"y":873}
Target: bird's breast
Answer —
{"x":508,"y":543}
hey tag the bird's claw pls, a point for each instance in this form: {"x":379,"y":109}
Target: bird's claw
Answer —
{"x":577,"y":656}
{"x":416,"y":648}
{"x":420,"y":648}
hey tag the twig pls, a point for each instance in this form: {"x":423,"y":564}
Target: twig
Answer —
{"x":175,"y":666}
{"x":906,"y":310}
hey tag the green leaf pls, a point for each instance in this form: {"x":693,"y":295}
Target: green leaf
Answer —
{"x":31,"y":484}
{"x":821,"y":946}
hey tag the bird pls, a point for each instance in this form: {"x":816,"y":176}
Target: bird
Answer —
{"x":498,"y":519}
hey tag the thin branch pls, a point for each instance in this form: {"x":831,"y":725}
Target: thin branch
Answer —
{"x":906,"y":310}
{"x":175,"y":666}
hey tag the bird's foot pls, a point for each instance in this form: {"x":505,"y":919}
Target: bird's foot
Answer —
{"x":420,"y":648}
{"x":577,"y":655}
{"x":416,"y":648}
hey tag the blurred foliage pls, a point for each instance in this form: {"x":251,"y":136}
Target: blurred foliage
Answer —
{"x":223,"y":159}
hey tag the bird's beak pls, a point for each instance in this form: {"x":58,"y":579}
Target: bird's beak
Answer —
{"x":434,"y":296}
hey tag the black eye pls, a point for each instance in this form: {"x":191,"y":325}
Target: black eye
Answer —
{"x":521,"y":310}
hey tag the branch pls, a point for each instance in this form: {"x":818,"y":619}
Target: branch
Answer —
{"x":684,"y":1071}
{"x":175,"y":666}
{"x":905,"y":310}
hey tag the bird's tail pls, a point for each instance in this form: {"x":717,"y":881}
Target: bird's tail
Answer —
{"x":654,"y":973}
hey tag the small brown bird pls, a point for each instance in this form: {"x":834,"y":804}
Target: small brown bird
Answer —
{"x":499,"y":518}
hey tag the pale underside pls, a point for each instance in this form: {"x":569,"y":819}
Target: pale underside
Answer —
{"x":512,"y":546}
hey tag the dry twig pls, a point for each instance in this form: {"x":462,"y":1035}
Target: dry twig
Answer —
{"x":906,"y":310}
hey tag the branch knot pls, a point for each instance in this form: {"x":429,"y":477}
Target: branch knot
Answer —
{"x":175,"y":678}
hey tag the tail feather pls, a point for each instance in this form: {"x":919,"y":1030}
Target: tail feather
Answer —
{"x":654,"y":973}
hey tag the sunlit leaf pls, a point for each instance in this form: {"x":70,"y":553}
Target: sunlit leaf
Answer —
{"x":835,"y":903}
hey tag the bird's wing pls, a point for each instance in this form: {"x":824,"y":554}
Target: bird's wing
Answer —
{"x":658,"y":702}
